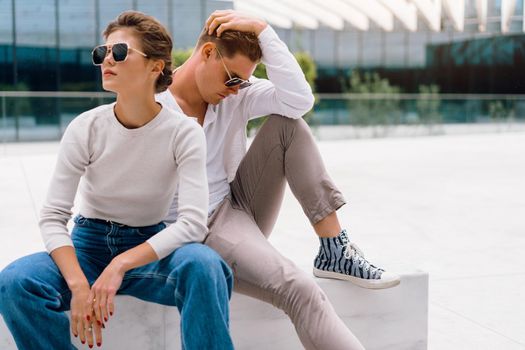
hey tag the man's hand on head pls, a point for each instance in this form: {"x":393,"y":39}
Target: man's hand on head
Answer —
{"x":222,"y":20}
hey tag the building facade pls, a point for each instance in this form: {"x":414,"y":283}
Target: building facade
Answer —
{"x":46,"y":44}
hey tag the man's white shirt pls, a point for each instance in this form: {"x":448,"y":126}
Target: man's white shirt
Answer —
{"x":286,"y":93}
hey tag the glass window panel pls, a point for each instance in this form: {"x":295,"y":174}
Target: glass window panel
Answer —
{"x":35,"y":23}
{"x":6,"y":23}
{"x":187,"y":23}
{"x":395,"y":49}
{"x":157,"y":9}
{"x":371,"y":49}
{"x":77,"y":24}
{"x":109,"y":10}
{"x":349,"y":49}
{"x":324,"y":47}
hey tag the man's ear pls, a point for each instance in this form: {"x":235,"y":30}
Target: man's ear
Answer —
{"x":206,"y":50}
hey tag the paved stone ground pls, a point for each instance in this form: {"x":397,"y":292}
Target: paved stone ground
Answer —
{"x":450,"y":205}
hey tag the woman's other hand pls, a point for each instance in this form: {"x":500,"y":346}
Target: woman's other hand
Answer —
{"x":102,"y":295}
{"x":83,"y":323}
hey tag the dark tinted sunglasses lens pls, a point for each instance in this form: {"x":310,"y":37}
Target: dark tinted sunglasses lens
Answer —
{"x":120,"y":51}
{"x":245,"y":84}
{"x":99,"y":53}
{"x":233,"y":82}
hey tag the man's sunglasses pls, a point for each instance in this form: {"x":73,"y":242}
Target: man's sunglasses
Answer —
{"x":233,"y":81}
{"x":118,"y":50}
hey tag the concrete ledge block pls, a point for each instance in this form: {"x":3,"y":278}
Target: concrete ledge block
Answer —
{"x":392,"y":319}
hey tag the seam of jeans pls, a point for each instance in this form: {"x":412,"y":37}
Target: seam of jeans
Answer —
{"x":147,"y":275}
{"x":61,"y":294}
{"x":154,"y":276}
{"x":108,"y":239}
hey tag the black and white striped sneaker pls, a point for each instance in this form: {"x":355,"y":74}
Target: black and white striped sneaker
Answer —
{"x":341,"y":259}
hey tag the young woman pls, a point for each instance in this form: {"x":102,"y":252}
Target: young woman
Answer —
{"x":130,"y":157}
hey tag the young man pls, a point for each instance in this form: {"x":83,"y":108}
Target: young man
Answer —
{"x":215,"y":86}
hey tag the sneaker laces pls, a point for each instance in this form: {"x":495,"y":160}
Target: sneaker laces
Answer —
{"x":352,"y":251}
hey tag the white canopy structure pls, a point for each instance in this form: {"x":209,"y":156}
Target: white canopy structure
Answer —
{"x":383,"y":14}
{"x":507,"y":9}
{"x":481,"y":9}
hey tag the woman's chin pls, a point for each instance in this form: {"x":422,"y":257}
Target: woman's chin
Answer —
{"x":109,"y":87}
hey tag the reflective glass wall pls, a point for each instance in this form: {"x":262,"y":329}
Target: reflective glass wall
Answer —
{"x":409,"y":59}
{"x":46,"y":44}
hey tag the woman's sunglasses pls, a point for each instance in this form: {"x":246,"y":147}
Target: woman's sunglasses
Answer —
{"x":233,"y":81}
{"x":118,"y":50}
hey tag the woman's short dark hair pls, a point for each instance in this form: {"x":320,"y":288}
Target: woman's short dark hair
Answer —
{"x":155,"y":39}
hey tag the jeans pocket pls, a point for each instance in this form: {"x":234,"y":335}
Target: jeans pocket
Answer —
{"x":137,"y":231}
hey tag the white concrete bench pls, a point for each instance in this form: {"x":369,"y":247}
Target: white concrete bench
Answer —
{"x":395,"y":318}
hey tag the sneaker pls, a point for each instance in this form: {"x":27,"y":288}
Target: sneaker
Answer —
{"x":341,"y":259}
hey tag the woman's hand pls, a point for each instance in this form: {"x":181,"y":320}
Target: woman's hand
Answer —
{"x":102,"y":295}
{"x":231,"y":20}
{"x":82,"y":318}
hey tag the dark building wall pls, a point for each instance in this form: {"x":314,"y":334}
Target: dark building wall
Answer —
{"x":488,"y":65}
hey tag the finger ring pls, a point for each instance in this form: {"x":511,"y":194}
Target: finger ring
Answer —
{"x":89,"y":329}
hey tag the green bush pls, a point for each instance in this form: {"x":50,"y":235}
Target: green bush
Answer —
{"x":498,"y":111}
{"x":306,"y":63}
{"x":309,"y":69}
{"x":428,"y":104}
{"x":180,"y":56}
{"x":372,"y":111}
{"x":16,"y":106}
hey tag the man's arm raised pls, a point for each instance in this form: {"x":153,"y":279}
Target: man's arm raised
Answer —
{"x":286,"y":92}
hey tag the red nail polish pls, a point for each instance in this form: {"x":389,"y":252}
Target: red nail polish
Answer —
{"x":91,"y":346}
{"x":98,"y":322}
{"x":110,"y":313}
{"x":83,"y":341}
{"x":76,"y":335}
{"x":99,"y":344}
{"x":105,"y":319}
{"x":88,"y":318}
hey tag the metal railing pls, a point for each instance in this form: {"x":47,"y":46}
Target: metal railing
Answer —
{"x":44,"y":115}
{"x":414,"y":109}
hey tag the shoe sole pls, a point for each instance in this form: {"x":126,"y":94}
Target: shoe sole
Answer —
{"x":361,"y":282}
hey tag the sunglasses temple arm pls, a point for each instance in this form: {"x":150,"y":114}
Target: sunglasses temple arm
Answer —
{"x":224,"y":64}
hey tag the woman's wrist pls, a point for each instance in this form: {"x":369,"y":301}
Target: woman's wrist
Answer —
{"x":79,"y":284}
{"x":121,"y":264}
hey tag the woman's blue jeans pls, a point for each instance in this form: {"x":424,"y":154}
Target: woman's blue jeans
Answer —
{"x":34,"y":296}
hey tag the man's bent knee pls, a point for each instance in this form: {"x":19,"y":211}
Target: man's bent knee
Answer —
{"x":300,"y":293}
